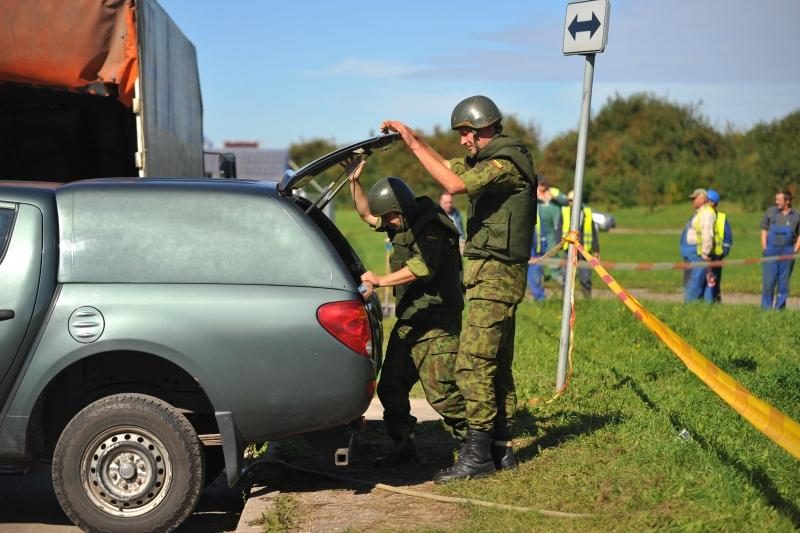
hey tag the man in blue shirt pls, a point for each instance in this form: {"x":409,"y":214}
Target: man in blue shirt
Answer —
{"x":780,"y":235}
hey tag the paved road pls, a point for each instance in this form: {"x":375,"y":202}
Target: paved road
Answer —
{"x":29,"y":505}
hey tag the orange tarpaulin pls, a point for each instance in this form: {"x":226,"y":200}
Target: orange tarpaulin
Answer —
{"x":73,"y":44}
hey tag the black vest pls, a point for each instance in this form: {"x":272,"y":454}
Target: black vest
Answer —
{"x":501,"y":224}
{"x":423,"y":301}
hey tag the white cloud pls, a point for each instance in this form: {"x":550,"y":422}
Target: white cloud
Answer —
{"x":649,"y":41}
{"x":365,"y":69}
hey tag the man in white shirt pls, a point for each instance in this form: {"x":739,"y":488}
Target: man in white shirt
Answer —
{"x":700,"y":234}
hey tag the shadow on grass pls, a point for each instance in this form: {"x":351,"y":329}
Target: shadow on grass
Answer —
{"x":434,"y":443}
{"x":568,"y":426}
{"x":436,"y":448}
{"x":757,"y":477}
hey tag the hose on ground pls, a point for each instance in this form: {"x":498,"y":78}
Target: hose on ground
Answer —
{"x":416,"y":493}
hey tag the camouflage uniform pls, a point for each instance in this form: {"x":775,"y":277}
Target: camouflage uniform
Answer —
{"x":494,"y":288}
{"x":424,"y":342}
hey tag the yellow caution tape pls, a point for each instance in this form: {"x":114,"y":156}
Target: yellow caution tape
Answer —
{"x":774,"y":424}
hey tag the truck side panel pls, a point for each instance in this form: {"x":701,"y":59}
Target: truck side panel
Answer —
{"x":68,"y":74}
{"x":170,"y":100}
{"x":256,"y":351}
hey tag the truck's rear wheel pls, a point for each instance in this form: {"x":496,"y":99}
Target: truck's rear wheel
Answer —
{"x":128,"y":462}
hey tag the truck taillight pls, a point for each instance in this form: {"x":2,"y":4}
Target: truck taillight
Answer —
{"x":349,"y":323}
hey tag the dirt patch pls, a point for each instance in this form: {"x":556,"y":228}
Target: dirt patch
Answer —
{"x":330,"y":505}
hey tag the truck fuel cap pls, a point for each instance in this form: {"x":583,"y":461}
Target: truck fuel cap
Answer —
{"x":86,"y":324}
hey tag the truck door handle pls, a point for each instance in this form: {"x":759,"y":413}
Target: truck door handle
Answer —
{"x":6,"y":314}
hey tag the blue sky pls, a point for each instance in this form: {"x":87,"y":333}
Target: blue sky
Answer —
{"x":281,"y":72}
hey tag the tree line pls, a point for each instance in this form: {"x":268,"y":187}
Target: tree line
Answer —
{"x":643,"y":150}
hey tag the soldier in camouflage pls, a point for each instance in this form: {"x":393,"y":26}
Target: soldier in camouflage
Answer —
{"x":426,"y":276}
{"x":499,"y":179}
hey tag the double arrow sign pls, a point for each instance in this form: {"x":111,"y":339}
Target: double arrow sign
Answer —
{"x":586,"y":27}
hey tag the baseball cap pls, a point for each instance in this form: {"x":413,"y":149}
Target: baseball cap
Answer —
{"x":713,"y":196}
{"x":698,"y":192}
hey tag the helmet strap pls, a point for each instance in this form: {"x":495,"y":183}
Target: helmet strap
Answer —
{"x":403,"y":223}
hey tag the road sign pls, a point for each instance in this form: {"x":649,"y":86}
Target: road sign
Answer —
{"x":586,"y":27}
{"x":585,"y":32}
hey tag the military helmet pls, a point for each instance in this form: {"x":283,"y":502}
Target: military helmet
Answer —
{"x":391,"y":194}
{"x":475,"y":112}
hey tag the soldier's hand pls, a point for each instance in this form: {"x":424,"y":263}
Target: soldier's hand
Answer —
{"x":371,"y":278}
{"x":366,"y":289}
{"x":354,"y":167}
{"x":386,"y":126}
{"x":405,"y":132}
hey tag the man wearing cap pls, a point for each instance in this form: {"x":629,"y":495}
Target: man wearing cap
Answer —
{"x":723,"y":240}
{"x":499,"y":179}
{"x":699,"y":234}
{"x":780,"y":235}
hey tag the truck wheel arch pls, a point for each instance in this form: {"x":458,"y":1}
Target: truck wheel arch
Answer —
{"x":102,"y":374}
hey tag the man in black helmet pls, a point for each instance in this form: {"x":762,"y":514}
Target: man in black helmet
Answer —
{"x":426,"y":276}
{"x":499,"y":179}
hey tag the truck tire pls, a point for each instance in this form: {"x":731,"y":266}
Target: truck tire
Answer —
{"x":128,"y":462}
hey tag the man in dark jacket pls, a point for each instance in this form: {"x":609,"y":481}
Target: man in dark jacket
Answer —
{"x":426,"y":276}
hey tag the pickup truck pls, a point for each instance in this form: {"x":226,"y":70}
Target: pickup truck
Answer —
{"x":146,"y":322}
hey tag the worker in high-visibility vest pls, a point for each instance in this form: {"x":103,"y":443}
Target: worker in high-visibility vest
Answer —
{"x":699,"y":234}
{"x":723,"y":241}
{"x":588,"y":236}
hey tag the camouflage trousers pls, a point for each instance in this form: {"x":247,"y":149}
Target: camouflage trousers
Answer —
{"x":483,"y":367}
{"x":427,"y":354}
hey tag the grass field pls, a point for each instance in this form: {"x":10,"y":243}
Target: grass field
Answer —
{"x":611,"y":446}
{"x":640,"y":237}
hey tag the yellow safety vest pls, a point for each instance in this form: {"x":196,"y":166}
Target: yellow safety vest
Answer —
{"x":566,"y":216}
{"x":538,"y":232}
{"x":698,"y":230}
{"x":719,"y":233}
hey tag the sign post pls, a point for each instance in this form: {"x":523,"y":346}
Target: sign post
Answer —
{"x":585,"y":33}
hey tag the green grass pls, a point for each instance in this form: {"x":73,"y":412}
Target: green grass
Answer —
{"x":620,"y":247}
{"x":368,"y":243}
{"x":642,"y":247}
{"x":610,"y":445}
{"x":675,"y":216}
{"x":657,"y":246}
{"x":282,"y":516}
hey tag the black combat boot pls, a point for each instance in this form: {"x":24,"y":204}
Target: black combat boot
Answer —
{"x":503,"y":455}
{"x":403,"y":452}
{"x":476,"y":461}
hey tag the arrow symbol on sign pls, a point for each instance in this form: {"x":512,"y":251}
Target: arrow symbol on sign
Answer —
{"x":591,"y":26}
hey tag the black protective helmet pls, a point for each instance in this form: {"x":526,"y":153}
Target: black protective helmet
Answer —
{"x":475,"y":112}
{"x":391,"y":194}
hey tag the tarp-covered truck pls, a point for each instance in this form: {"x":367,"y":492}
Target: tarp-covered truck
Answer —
{"x":96,"y":88}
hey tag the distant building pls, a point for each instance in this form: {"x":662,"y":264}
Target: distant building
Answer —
{"x":252,"y":162}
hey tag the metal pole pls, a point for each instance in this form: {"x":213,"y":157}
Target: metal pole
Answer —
{"x":583,"y":132}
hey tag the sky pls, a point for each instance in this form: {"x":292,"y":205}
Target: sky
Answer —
{"x":281,"y":72}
